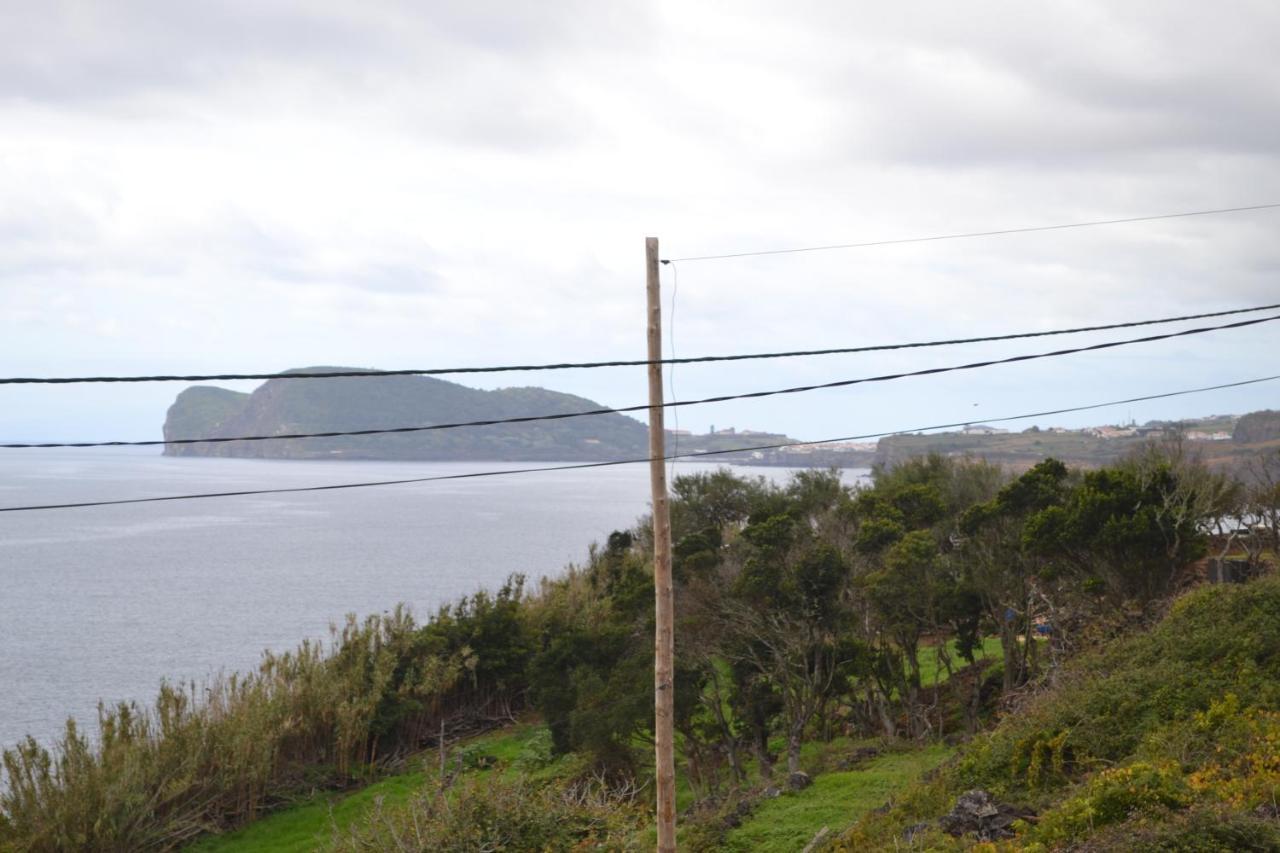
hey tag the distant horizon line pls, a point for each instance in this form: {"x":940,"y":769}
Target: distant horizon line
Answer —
{"x":159,"y":450}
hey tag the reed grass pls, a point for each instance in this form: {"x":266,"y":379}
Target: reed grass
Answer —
{"x":209,"y":757}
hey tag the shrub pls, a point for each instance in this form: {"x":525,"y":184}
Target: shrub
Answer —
{"x":536,"y":752}
{"x":1039,"y":759}
{"x":1197,"y":830}
{"x":1114,"y":796}
{"x":499,"y":814}
{"x":1243,"y":771}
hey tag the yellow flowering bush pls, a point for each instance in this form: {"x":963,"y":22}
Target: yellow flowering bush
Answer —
{"x":1041,"y":758}
{"x":1113,"y":796}
{"x":1244,"y":770}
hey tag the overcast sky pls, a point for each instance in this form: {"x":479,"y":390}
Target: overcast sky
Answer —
{"x":253,"y":186}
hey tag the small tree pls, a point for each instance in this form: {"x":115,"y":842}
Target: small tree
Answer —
{"x":1262,"y":474}
{"x":1002,"y":570}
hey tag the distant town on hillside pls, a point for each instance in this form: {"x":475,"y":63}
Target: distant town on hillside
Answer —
{"x":1220,"y":438}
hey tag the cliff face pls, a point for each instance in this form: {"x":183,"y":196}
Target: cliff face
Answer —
{"x":1257,"y":426}
{"x":200,"y":412}
{"x":324,"y":405}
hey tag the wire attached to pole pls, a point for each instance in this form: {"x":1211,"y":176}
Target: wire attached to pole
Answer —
{"x":610,"y":463}
{"x":587,"y":365}
{"x":997,"y":233}
{"x":723,"y":398}
{"x":671,"y":368}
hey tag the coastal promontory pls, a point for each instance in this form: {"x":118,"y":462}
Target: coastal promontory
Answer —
{"x":291,"y":406}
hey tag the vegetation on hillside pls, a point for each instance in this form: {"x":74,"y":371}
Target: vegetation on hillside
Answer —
{"x":1166,"y":740}
{"x":809,"y":615}
{"x":202,"y":410}
{"x":329,"y":405}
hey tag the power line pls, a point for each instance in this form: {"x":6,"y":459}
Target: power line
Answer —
{"x":997,"y":233}
{"x":724,"y":398}
{"x":583,"y":365}
{"x":671,"y":372}
{"x":610,"y":463}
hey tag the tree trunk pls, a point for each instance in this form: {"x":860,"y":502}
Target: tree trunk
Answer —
{"x":974,"y":706}
{"x":735,"y":762}
{"x":886,"y":718}
{"x":793,"y":752}
{"x":761,"y":751}
{"x":1012,"y":653}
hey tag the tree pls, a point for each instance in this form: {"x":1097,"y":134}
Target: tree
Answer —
{"x":785,"y":618}
{"x":1262,"y":475}
{"x":906,"y":580}
{"x":713,"y":500}
{"x":779,"y":611}
{"x":904,"y":595}
{"x":1002,"y":570}
{"x":1127,"y":531}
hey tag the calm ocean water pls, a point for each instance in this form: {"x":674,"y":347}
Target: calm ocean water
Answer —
{"x":104,"y":602}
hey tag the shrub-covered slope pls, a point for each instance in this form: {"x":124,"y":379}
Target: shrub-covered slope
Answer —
{"x":1169,"y":740}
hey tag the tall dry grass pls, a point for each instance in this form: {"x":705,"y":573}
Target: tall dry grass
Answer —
{"x":204,"y":758}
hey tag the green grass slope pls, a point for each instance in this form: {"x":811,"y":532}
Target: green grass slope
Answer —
{"x":312,"y":824}
{"x":834,"y":800}
{"x":1168,"y":740}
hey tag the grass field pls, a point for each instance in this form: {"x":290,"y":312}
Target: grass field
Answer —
{"x":834,"y":800}
{"x":933,"y":673}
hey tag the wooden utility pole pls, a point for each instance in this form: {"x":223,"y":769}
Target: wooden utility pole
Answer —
{"x":664,"y":605}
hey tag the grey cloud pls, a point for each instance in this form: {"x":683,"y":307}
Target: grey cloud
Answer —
{"x":1056,"y":85}
{"x":394,"y":279}
{"x":260,"y":251}
{"x":848,"y":123}
{"x":464,"y":72}
{"x":86,"y":51}
{"x":79,"y":49}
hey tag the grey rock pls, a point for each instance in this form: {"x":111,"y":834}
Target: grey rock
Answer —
{"x":799,"y":780}
{"x":977,"y":812}
{"x":858,"y":757}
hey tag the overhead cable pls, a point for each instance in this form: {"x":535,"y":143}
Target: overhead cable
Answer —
{"x":724,"y":398}
{"x":690,"y":455}
{"x":583,"y":365}
{"x":971,"y":234}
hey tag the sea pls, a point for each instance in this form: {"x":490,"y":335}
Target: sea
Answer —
{"x":103,"y":603}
